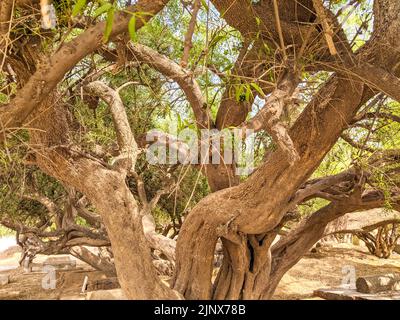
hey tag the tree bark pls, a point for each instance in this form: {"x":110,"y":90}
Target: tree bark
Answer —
{"x":379,"y":283}
{"x":50,"y":73}
{"x":258,"y":204}
{"x":93,"y":260}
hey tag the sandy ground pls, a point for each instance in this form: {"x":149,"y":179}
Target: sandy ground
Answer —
{"x":315,"y":271}
{"x":328,"y":267}
{"x":30,"y":285}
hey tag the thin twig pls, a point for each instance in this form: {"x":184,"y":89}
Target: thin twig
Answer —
{"x":189,"y":34}
{"x":279,"y":27}
{"x":328,"y":32}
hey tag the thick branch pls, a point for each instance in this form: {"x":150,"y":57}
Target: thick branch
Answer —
{"x":46,"y":78}
{"x":93,"y":260}
{"x":377,"y":78}
{"x":6,"y":9}
{"x":269,"y":118}
{"x":155,"y":240}
{"x":158,"y":241}
{"x":92,"y":218}
{"x":184,"y":78}
{"x":127,"y":145}
{"x":318,"y":185}
{"x":365,"y":221}
{"x":289,"y":250}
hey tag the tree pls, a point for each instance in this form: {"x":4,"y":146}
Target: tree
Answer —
{"x":285,"y":47}
{"x":377,"y":229}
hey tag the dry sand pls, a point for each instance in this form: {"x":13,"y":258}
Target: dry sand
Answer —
{"x":315,"y":271}
{"x":324,"y":269}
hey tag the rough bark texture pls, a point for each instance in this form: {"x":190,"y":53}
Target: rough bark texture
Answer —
{"x":57,"y":157}
{"x":52,"y":70}
{"x":93,"y":260}
{"x":380,"y":283}
{"x":247,"y":216}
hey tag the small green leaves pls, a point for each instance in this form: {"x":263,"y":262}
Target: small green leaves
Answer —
{"x":109,"y":24}
{"x":79,"y":5}
{"x":205,"y":5}
{"x":132,"y":28}
{"x":248,"y":93}
{"x":215,"y":40}
{"x":132,"y":23}
{"x":102,"y":9}
{"x":243,"y":92}
{"x":258,"y":89}
{"x":239,"y":93}
{"x":143,"y":17}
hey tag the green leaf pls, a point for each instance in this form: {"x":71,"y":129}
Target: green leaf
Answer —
{"x":258,"y":89}
{"x":205,"y":5}
{"x":248,"y":93}
{"x":179,"y":122}
{"x":132,"y":28}
{"x":79,"y":5}
{"x":228,"y":67}
{"x":215,"y":40}
{"x":109,"y":24}
{"x":267,"y":49}
{"x":141,"y":15}
{"x":239,"y":93}
{"x":104,"y":8}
